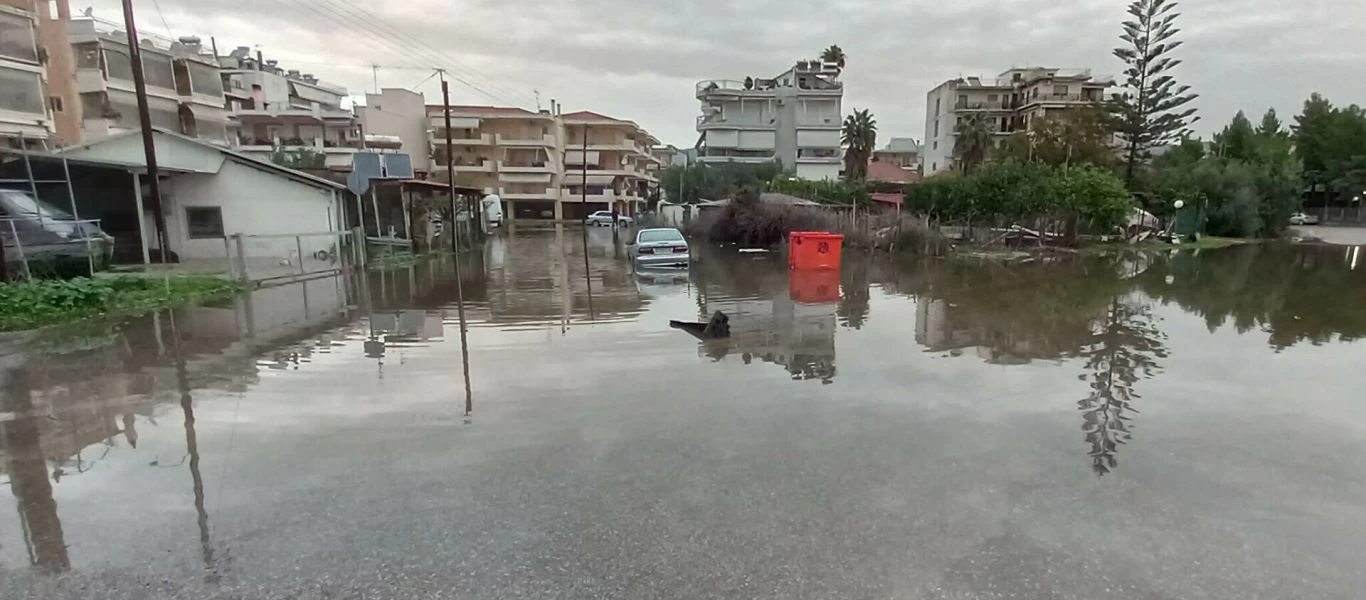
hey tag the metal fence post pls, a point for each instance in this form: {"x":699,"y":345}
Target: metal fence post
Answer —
{"x":19,"y":247}
{"x":241,"y":259}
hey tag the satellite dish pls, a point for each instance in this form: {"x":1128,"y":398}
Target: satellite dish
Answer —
{"x":89,"y":12}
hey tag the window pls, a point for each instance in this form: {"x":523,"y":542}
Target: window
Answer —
{"x":991,"y":97}
{"x":117,"y":63}
{"x":204,"y":79}
{"x":157,"y":70}
{"x":21,"y":91}
{"x":936,"y":128}
{"x":16,"y":38}
{"x":204,"y":222}
{"x":1059,"y":90}
{"x":934,"y":166}
{"x":936,"y":145}
{"x":936,"y":107}
{"x":54,"y":103}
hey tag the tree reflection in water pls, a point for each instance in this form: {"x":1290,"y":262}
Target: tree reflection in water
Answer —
{"x":1124,"y":348}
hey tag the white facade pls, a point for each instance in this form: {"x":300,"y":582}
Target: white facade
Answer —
{"x":1011,"y":102}
{"x":793,"y":118}
{"x":23,"y":100}
{"x":252,"y":197}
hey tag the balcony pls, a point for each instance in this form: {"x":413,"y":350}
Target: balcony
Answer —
{"x":246,"y":143}
{"x":465,"y":165}
{"x":604,"y":196}
{"x":544,"y":141}
{"x":710,"y":88}
{"x":984,"y":106}
{"x":716,"y":121}
{"x":819,"y":156}
{"x":1061,"y":99}
{"x":525,"y":167}
{"x":437,"y":138}
{"x":546,"y":194}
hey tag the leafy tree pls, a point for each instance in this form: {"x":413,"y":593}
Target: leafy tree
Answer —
{"x":1152,"y":111}
{"x":1313,"y":133}
{"x":1078,"y":136}
{"x":302,"y":158}
{"x":825,"y":191}
{"x":859,"y":137}
{"x":833,"y":54}
{"x":974,"y":144}
{"x":688,"y":185}
{"x":1014,"y":192}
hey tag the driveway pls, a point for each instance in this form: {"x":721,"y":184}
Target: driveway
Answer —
{"x":1347,"y":236}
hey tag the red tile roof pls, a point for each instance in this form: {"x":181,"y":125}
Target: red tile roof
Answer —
{"x":885,"y":171}
{"x":465,"y":108}
{"x":588,"y":115}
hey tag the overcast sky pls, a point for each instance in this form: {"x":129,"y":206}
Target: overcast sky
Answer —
{"x":639,"y":59}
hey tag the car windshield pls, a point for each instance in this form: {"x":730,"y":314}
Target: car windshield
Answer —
{"x":660,"y":235}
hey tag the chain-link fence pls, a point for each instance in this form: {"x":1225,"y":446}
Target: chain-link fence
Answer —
{"x":265,"y":259}
{"x":37,"y":246}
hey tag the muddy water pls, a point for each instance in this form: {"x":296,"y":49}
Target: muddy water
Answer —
{"x":1172,"y":426}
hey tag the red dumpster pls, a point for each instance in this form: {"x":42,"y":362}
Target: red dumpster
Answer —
{"x":814,"y":286}
{"x":814,"y":250}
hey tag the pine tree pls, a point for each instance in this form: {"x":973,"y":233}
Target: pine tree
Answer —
{"x":1152,"y":111}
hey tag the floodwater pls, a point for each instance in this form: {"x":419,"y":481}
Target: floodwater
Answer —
{"x":1148,"y":426}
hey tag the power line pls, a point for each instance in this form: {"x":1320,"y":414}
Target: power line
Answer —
{"x":424,"y":80}
{"x":375,"y":22}
{"x":365,"y":31}
{"x":163,"y":18}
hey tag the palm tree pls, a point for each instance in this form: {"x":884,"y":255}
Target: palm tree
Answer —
{"x":974,"y":142}
{"x":833,"y":54}
{"x":859,"y":137}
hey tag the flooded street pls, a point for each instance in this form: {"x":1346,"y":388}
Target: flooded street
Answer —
{"x":1151,"y":426}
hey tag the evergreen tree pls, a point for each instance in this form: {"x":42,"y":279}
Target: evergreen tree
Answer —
{"x":1152,"y":111}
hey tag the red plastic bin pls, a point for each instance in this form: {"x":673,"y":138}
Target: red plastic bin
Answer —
{"x":814,"y":286}
{"x":814,"y":250}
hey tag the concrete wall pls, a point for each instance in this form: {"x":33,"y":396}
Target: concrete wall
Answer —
{"x":938,"y":147}
{"x":253,"y":201}
{"x":818,"y":172}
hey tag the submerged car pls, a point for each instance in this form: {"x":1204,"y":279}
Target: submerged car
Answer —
{"x":1303,"y":218}
{"x":663,"y":247}
{"x":49,"y":234}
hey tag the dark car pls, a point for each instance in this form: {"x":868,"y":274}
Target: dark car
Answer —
{"x":47,"y":234}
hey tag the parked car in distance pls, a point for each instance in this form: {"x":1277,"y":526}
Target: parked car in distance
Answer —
{"x":603,"y":218}
{"x":49,"y":234}
{"x":662,"y":247}
{"x":1303,"y":218}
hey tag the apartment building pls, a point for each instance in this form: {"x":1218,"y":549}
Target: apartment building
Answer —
{"x":793,"y":118}
{"x":272,"y":109}
{"x":24,"y":100}
{"x":399,"y":114}
{"x":1013,"y":101}
{"x":609,"y":164}
{"x":538,"y":164}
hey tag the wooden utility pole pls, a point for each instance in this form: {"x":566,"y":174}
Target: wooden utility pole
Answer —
{"x":145,"y":118}
{"x":459,"y":285}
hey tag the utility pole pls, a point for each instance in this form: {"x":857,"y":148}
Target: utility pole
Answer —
{"x":459,"y":285}
{"x":145,"y":118}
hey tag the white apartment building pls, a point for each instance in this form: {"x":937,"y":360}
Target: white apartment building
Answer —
{"x":1011,"y":102}
{"x":793,"y":118}
{"x":23,"y":99}
{"x":273,"y":109}
{"x":183,"y":90}
{"x":397,"y":114}
{"x":537,"y":163}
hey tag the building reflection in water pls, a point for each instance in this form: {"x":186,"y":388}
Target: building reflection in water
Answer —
{"x":27,"y":468}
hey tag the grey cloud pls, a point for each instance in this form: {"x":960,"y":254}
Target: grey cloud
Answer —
{"x":639,"y":59}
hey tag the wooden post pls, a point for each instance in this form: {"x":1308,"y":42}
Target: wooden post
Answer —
{"x":145,"y":118}
{"x":459,"y":285}
{"x":142,"y":215}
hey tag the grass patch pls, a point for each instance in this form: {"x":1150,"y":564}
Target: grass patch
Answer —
{"x":30,"y":304}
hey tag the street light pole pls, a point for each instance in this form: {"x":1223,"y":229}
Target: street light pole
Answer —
{"x":145,"y":120}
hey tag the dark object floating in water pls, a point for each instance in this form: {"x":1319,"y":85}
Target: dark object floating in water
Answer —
{"x":717,"y":327}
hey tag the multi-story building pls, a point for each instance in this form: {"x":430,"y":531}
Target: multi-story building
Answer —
{"x":793,"y":118}
{"x":271,"y":109}
{"x":537,"y":161}
{"x":903,"y":152}
{"x":203,"y":107}
{"x":24,"y":102}
{"x":607,"y":165}
{"x":1011,"y":102}
{"x":104,"y":79}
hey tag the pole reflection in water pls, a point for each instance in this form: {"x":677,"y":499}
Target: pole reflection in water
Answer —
{"x":587,"y":275}
{"x":42,"y":528}
{"x":182,"y":379}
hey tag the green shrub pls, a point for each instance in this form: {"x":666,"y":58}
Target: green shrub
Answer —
{"x":29,"y":304}
{"x":1014,"y":192}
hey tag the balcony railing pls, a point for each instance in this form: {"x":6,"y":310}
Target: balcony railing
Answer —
{"x":1060,"y":98}
{"x":543,"y":140}
{"x":524,"y":167}
{"x":1002,"y":105}
{"x":438,"y":137}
